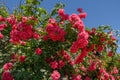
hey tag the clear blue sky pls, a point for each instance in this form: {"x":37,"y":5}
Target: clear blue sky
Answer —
{"x":100,"y":12}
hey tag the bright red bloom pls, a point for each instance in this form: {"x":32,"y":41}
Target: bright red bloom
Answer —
{"x":55,"y":75}
{"x":38,"y":51}
{"x":83,"y":35}
{"x":61,"y":12}
{"x":54,"y":65}
{"x":55,"y":32}
{"x":82,"y":15}
{"x":82,"y":40}
{"x":79,"y":25}
{"x":22,"y":32}
{"x":7,"y":66}
{"x":7,"y":76}
{"x":12,"y":20}
{"x":81,"y":56}
{"x":24,"y":19}
{"x":73,"y":18}
{"x":22,"y":58}
{"x":80,"y":43}
{"x":36,"y":35}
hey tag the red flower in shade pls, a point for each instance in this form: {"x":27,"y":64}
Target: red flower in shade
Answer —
{"x":102,"y":39}
{"x":54,"y":65}
{"x":1,"y":18}
{"x":106,"y":75}
{"x":7,"y":76}
{"x":55,"y":75}
{"x":92,"y":67}
{"x":113,"y":38}
{"x":87,"y":78}
{"x":1,"y":35}
{"x":7,"y":66}
{"x":76,"y":77}
{"x":100,"y":48}
{"x":83,"y":68}
{"x":65,"y":55}
{"x":45,"y":37}
{"x":115,"y":70}
{"x":80,"y":10}
{"x":38,"y":51}
{"x":81,"y":56}
{"x":91,"y":48}
{"x":74,"y":48}
{"x":61,"y":64}
{"x":2,"y":26}
{"x":110,"y":54}
{"x":22,"y":58}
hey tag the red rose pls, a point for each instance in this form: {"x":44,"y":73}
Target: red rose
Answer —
{"x":38,"y":51}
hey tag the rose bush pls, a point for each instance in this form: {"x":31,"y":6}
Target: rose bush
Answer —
{"x":36,"y":45}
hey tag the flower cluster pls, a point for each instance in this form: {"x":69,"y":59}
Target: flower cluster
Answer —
{"x":61,"y":49}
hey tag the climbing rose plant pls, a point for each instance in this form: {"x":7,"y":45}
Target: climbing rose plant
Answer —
{"x":36,"y":45}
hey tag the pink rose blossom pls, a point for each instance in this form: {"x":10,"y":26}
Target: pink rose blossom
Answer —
{"x":55,"y":75}
{"x":1,"y":35}
{"x":7,"y":66}
{"x":54,"y":65}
